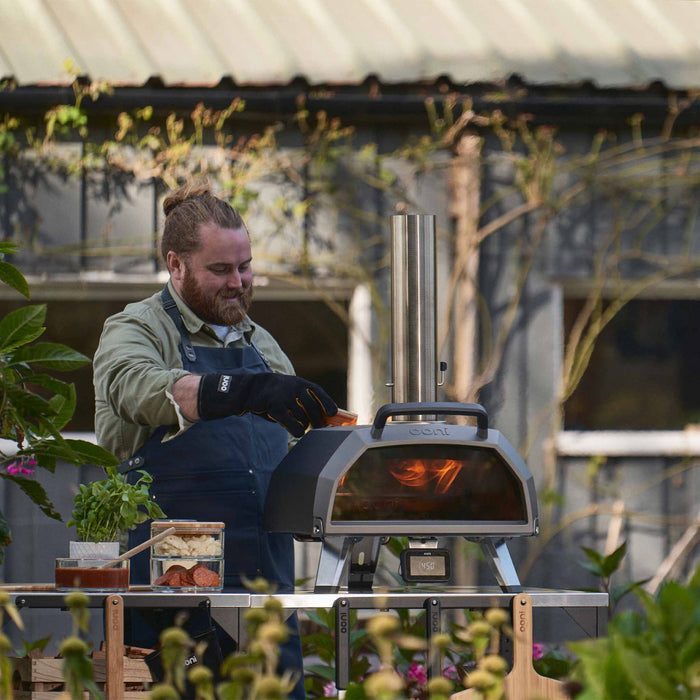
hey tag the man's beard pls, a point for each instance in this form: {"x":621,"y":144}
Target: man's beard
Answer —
{"x":218,"y":308}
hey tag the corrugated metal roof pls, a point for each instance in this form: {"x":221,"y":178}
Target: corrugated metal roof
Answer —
{"x":612,"y":43}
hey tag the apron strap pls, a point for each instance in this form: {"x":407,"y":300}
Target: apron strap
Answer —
{"x":128,"y":465}
{"x":171,"y":309}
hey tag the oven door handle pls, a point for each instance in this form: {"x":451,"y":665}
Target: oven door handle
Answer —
{"x":427,"y":408}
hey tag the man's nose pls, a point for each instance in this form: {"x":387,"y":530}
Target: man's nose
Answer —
{"x":234,"y":280}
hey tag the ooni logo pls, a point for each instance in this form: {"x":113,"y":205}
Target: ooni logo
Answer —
{"x":522,"y":620}
{"x":426,"y":430}
{"x":343,"y":622}
{"x":224,"y":382}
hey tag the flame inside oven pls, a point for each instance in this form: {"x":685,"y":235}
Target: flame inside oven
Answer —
{"x":429,"y":482}
{"x":419,"y":474}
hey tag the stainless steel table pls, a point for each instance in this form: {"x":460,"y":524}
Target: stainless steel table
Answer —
{"x":588,"y":609}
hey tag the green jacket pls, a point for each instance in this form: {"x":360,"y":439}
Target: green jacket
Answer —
{"x":138,"y":361}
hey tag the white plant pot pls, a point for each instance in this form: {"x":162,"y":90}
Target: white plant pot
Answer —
{"x":94,"y":550}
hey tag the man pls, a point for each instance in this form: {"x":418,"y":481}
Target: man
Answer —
{"x":201,"y":397}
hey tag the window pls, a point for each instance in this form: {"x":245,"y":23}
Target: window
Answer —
{"x":314,"y":338}
{"x":644,"y":370}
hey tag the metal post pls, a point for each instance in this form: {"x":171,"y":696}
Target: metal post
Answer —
{"x":413,"y":310}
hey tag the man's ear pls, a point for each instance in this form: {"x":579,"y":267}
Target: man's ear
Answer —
{"x":176,"y":265}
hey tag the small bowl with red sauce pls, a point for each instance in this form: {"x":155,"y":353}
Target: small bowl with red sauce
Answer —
{"x":87,"y":575}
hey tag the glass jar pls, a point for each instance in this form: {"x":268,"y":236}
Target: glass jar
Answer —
{"x":89,"y":575}
{"x":189,"y":559}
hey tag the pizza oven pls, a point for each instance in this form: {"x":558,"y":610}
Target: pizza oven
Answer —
{"x":352,"y":487}
{"x":408,"y":473}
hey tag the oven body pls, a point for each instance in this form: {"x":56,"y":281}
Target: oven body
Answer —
{"x":352,"y":487}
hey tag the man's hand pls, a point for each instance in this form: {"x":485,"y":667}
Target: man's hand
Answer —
{"x":293,"y":402}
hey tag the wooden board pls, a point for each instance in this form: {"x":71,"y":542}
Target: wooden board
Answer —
{"x":523,"y":682}
{"x":60,"y":695}
{"x":48,"y":670}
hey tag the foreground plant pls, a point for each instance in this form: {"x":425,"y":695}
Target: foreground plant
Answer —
{"x":483,"y":634}
{"x":77,"y":664}
{"x":7,"y":608}
{"x":653,"y":655}
{"x":249,"y":674}
{"x":34,"y":406}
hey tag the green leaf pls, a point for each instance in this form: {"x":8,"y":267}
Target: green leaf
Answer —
{"x":22,"y":326}
{"x":40,"y":644}
{"x":316,"y":617}
{"x":12,"y":277}
{"x":36,"y":493}
{"x":551,"y":497}
{"x":320,"y":641}
{"x":31,"y":405}
{"x":594,"y":568}
{"x":695,"y":580}
{"x":8,"y":247}
{"x":57,"y":449}
{"x":354,"y":691}
{"x":62,"y":403}
{"x":50,"y":355}
{"x":650,"y":680}
{"x":611,"y":563}
{"x":64,"y":407}
{"x":596,"y":663}
{"x":593,"y":556}
{"x":689,"y":653}
{"x":396,"y":545}
{"x":90,"y":453}
{"x":679,"y":610}
{"x":628,"y":623}
{"x":5,"y":535}
{"x":618,"y":592}
{"x":326,"y":672}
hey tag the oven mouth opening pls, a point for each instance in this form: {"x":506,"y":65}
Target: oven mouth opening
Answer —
{"x":429,"y":482}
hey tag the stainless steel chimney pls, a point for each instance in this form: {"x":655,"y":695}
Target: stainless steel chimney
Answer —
{"x":413,"y":310}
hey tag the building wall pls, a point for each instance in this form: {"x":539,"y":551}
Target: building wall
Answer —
{"x":46,"y":211}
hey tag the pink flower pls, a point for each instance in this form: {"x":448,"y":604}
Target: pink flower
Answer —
{"x":537,"y":651}
{"x":329,"y":690}
{"x":417,"y":673}
{"x":451,"y":673}
{"x":15,"y":468}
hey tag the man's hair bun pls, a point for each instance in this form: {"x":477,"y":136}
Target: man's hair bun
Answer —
{"x":185,"y":193}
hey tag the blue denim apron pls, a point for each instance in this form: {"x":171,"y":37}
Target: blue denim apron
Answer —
{"x":219,"y":470}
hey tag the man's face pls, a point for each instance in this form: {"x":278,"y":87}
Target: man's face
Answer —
{"x":216,"y":282}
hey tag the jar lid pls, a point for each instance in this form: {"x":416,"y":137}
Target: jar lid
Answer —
{"x":189,"y":524}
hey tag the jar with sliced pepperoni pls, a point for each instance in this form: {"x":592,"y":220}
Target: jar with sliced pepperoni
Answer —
{"x":190,"y":559}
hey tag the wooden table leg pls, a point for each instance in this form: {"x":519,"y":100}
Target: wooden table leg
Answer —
{"x":114,"y":641}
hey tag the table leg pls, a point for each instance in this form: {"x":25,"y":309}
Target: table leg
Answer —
{"x":433,"y":626}
{"x":114,"y":642}
{"x":342,"y":643}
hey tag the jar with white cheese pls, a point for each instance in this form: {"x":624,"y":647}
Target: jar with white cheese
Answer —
{"x":191,"y":559}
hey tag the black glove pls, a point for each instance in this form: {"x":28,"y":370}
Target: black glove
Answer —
{"x":291,"y":401}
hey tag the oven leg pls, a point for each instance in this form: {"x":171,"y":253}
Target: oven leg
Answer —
{"x":363,"y":563}
{"x":501,"y":565}
{"x":334,"y":556}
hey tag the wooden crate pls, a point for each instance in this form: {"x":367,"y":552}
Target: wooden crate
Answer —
{"x":41,"y":678}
